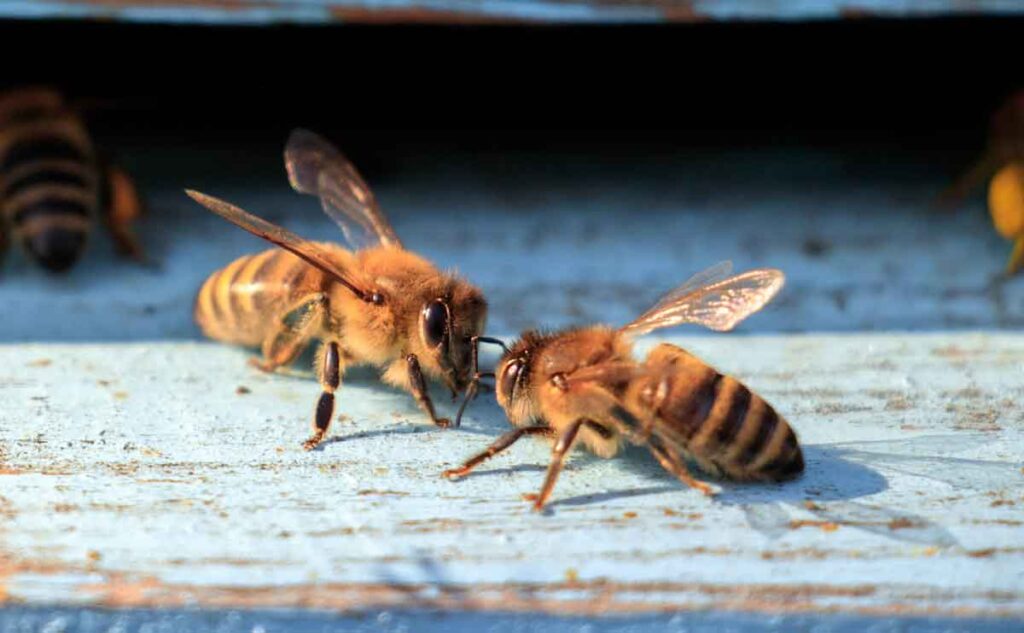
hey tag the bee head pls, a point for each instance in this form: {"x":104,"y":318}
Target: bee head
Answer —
{"x":512,"y":378}
{"x":446,"y":326}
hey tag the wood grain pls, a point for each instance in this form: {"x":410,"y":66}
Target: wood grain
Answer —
{"x":141,"y":475}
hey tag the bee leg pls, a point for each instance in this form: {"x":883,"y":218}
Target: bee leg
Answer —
{"x":503,"y":442}
{"x":418,"y":386}
{"x":296,"y":327}
{"x":3,"y":239}
{"x":673,"y":463}
{"x":329,"y":370}
{"x":1016,"y":261}
{"x":123,"y":205}
{"x":969,"y":180}
{"x":561,"y":447}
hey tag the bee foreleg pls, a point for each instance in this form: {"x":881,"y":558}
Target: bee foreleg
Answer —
{"x":418,"y":386}
{"x":671,"y":461}
{"x":499,"y":445}
{"x":123,"y":205}
{"x":329,"y":370}
{"x":296,"y":327}
{"x":562,"y":446}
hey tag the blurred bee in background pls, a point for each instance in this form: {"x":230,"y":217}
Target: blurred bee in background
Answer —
{"x":378,"y":304}
{"x":585,"y":385}
{"x":1003,"y":162}
{"x":1006,"y":204}
{"x":54,"y":184}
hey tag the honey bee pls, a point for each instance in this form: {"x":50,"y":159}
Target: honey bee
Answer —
{"x":54,"y":185}
{"x":585,"y":385}
{"x":1005,"y":144}
{"x":1003,"y":161}
{"x":1006,"y":204}
{"x":378,"y":304}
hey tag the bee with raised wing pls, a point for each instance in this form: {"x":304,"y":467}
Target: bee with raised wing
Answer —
{"x":584,"y":385}
{"x":378,"y":304}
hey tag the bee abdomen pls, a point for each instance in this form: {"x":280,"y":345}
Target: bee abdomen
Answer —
{"x":49,"y":178}
{"x":241,"y":302}
{"x":746,"y":438}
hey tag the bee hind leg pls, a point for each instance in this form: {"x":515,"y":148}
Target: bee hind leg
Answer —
{"x":499,"y":445}
{"x":673,"y":463}
{"x":293,"y":333}
{"x":123,"y":206}
{"x":329,"y":370}
{"x":1016,"y":261}
{"x":561,"y":447}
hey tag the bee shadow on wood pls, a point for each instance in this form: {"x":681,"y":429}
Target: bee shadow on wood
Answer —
{"x":836,"y":477}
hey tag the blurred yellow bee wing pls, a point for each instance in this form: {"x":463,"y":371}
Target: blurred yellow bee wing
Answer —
{"x":284,"y":238}
{"x":711,"y":299}
{"x":317,"y":168}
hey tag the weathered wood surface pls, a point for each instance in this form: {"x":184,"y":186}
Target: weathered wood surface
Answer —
{"x":478,"y":11}
{"x":136,"y":475}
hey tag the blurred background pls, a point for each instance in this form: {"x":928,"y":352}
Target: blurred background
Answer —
{"x":574,"y":159}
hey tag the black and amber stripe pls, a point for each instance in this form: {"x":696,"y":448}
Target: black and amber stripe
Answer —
{"x":719,"y":421}
{"x":49,"y":177}
{"x":242,"y":301}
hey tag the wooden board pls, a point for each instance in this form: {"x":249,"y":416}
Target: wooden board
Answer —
{"x":137,"y":475}
{"x":262,"y":12}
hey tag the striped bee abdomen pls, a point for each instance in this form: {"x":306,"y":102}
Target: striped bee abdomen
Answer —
{"x":727,"y":428}
{"x":49,"y":177}
{"x":243,"y":302}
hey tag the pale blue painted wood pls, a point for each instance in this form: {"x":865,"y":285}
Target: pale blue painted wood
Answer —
{"x":23,"y":620}
{"x":325,"y":11}
{"x":134,"y":474}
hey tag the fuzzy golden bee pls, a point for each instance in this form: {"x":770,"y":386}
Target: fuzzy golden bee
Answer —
{"x":376,"y":305}
{"x":1005,"y":145}
{"x":1003,"y":162}
{"x":1006,"y":205}
{"x":584,"y":385}
{"x":54,"y":184}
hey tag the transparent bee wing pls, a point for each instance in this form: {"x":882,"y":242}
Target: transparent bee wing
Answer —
{"x":706,"y":277}
{"x":284,"y":238}
{"x":317,"y":168}
{"x":711,"y":299}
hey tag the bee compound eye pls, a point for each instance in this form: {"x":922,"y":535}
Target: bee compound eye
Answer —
{"x":435,"y":323}
{"x":509,"y":378}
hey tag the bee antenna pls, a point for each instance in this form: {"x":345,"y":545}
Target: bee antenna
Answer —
{"x":474,"y":384}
